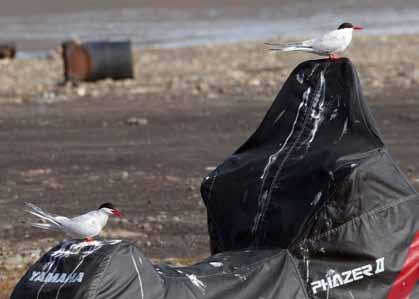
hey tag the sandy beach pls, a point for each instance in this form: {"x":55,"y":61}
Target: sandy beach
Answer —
{"x":145,"y":144}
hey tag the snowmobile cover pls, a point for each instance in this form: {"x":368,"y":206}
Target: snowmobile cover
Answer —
{"x":310,"y":206}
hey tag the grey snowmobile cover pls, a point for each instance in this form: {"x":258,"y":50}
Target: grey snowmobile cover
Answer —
{"x":311,"y":206}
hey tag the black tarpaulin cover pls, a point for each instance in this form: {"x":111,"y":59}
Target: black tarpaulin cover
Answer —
{"x":314,"y":135}
{"x":310,"y":206}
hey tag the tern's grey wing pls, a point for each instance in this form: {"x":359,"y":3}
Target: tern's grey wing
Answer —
{"x":86,"y":225}
{"x":85,"y":218}
{"x":330,"y":42}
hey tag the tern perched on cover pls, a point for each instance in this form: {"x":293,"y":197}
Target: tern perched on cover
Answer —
{"x":329,"y":44}
{"x":85,"y":226}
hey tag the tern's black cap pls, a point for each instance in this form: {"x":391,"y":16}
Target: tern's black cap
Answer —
{"x":345,"y":25}
{"x":107,"y":205}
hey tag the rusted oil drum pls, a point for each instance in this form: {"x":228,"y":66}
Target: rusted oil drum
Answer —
{"x":7,"y":50}
{"x":91,"y":61}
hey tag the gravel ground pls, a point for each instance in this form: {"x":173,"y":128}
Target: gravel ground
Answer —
{"x":383,"y":61}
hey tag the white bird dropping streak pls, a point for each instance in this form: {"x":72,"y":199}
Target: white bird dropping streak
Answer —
{"x":140,"y":281}
{"x":196,"y":282}
{"x":344,"y":130}
{"x":300,"y":78}
{"x":263,"y":198}
{"x":261,"y":209}
{"x":318,"y":108}
{"x":316,"y":199}
{"x":314,"y":112}
{"x":274,"y":156}
{"x":279,"y":116}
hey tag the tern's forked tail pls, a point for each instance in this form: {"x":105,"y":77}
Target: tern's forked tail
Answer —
{"x":289,"y":47}
{"x":46,"y":226}
{"x":38,"y":212}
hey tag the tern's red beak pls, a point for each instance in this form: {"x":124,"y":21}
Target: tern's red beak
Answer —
{"x":358,"y":27}
{"x":116,"y":213}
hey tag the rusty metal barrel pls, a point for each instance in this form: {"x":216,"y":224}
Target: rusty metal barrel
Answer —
{"x":96,"y":60}
{"x":7,"y":50}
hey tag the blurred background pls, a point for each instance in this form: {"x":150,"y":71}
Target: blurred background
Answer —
{"x":200,"y":80}
{"x":39,"y":25}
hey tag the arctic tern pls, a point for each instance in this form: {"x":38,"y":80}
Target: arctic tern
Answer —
{"x":85,"y":226}
{"x":329,"y":44}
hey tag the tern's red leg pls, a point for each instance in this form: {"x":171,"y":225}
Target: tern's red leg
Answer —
{"x":333,"y":57}
{"x":88,"y":239}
